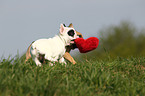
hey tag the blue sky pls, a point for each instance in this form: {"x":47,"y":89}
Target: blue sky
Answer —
{"x":23,"y":21}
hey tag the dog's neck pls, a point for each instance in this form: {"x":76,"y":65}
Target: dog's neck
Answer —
{"x":63,"y":39}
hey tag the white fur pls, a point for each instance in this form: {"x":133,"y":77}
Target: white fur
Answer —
{"x":53,"y":48}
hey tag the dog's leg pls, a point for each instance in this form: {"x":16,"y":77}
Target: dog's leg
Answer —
{"x":37,"y":61}
{"x":50,"y":59}
{"x":51,"y":63}
{"x":69,"y":58}
{"x":61,"y":60}
{"x":35,"y":56}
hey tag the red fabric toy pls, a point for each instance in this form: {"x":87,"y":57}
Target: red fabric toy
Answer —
{"x":86,"y":45}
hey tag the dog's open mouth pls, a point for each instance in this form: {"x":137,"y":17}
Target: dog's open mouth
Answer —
{"x":73,"y":44}
{"x":72,"y":41}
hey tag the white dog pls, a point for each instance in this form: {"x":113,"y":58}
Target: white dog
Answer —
{"x":53,"y":49}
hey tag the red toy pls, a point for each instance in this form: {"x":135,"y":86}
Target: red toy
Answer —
{"x":86,"y":45}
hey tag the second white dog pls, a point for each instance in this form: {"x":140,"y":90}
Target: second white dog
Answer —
{"x":53,"y":49}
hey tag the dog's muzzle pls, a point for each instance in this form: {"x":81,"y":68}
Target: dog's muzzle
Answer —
{"x":72,"y":41}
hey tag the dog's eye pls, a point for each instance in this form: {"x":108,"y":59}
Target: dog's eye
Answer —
{"x":80,"y":36}
{"x":71,"y":33}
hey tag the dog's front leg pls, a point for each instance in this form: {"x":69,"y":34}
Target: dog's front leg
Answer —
{"x":69,"y":58}
{"x":61,"y":60}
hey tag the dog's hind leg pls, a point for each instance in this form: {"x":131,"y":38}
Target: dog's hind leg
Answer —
{"x":35,"y":55}
{"x":38,"y":63}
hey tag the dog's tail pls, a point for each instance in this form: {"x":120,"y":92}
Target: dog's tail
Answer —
{"x":28,"y":55}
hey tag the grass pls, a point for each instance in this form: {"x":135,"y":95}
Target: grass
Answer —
{"x":118,"y":77}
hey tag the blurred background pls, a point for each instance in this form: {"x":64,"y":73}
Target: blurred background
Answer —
{"x":119,"y":24}
{"x":122,"y":40}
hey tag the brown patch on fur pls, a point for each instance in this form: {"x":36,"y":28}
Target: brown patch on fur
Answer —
{"x":28,"y":55}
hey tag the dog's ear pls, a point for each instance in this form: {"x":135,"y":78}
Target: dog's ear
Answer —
{"x":71,"y":25}
{"x":61,"y":28}
{"x":64,"y":25}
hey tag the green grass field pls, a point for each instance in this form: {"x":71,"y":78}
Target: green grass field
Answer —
{"x":118,"y":77}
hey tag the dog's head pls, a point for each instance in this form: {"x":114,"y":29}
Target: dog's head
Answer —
{"x":79,"y":35}
{"x":68,"y":34}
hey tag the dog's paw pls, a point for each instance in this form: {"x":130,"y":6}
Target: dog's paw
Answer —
{"x":37,"y":62}
{"x":61,"y":60}
{"x":51,"y":64}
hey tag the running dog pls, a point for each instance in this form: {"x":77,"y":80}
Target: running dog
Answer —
{"x":40,"y":58}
